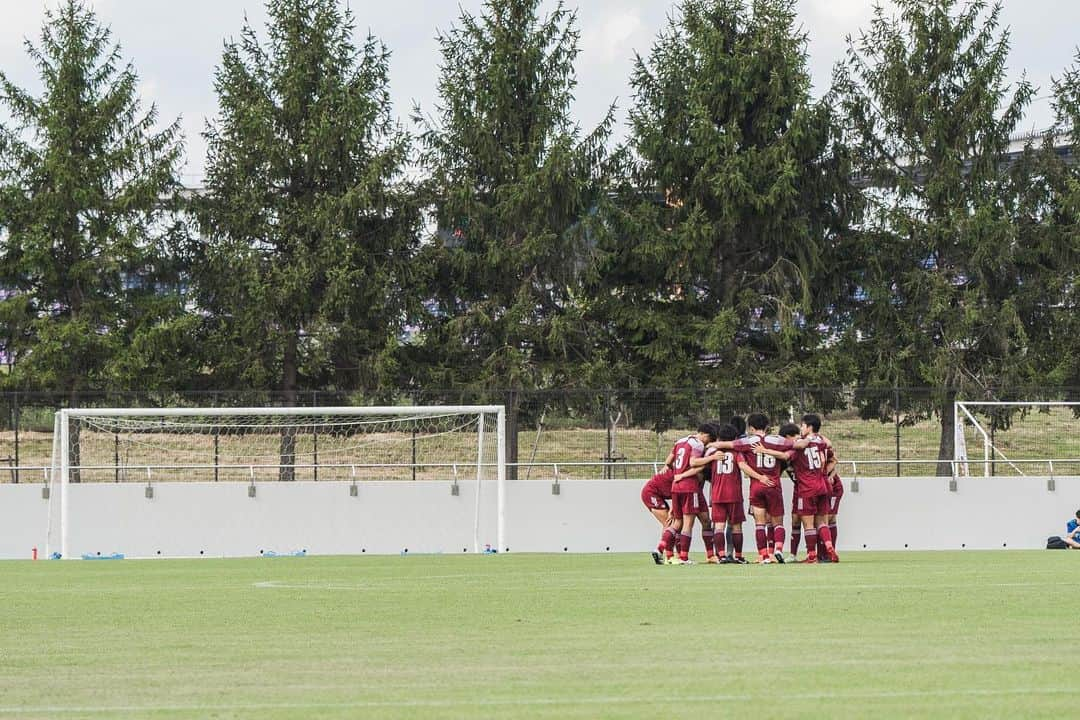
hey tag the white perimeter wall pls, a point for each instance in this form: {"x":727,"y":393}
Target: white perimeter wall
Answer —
{"x":219,"y":519}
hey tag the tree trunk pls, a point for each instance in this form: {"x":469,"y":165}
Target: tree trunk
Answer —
{"x":947,"y":444}
{"x":513,"y":402}
{"x":287,"y":471}
{"x":73,"y":450}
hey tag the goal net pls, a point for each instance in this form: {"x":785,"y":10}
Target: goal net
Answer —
{"x":253,"y":445}
{"x":1016,"y":438}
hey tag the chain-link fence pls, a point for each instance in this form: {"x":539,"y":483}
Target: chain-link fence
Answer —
{"x":618,"y":433}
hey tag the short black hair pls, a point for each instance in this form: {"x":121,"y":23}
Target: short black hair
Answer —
{"x":727,"y":432}
{"x":1078,"y":513}
{"x":789,"y":429}
{"x":709,"y":429}
{"x":738,"y":423}
{"x":814,"y":421}
{"x":758,"y":421}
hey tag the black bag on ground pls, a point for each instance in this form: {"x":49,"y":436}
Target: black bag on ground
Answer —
{"x":1055,"y":543}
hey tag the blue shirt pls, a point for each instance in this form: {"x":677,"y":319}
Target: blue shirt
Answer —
{"x":1071,"y":527}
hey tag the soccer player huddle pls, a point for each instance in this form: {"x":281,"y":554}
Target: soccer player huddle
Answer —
{"x":721,"y":455}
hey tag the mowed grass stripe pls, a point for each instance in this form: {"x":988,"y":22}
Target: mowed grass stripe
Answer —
{"x":893,"y":634}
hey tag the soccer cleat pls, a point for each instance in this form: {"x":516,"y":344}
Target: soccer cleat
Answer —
{"x":713,"y":560}
{"x":673,"y":561}
{"x":833,"y":557}
{"x":686,"y":562}
{"x":725,"y":560}
{"x":657,"y":558}
{"x":809,"y":560}
{"x":740,"y":560}
{"x":779,"y":557}
{"x":765,"y":560}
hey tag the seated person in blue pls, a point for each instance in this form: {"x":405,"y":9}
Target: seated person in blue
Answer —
{"x":1072,"y":532}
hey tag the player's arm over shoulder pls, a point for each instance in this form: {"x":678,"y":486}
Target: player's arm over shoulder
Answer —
{"x":749,"y":470}
{"x":741,"y":444}
{"x":779,"y":454}
{"x":779,"y":447}
{"x":703,"y":460}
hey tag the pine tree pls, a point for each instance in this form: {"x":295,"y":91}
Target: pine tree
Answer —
{"x":726,"y":258}
{"x":514,"y":186}
{"x":88,"y":259}
{"x":308,"y":227}
{"x":1053,"y":229}
{"x":930,"y":117}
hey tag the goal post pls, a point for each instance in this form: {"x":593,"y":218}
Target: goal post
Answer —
{"x":277,"y":444}
{"x":979,"y":417}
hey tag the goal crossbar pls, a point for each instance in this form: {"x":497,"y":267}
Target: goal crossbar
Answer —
{"x":405,"y":410}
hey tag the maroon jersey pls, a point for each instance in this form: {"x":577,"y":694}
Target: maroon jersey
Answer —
{"x":809,"y":466}
{"x":685,"y":450}
{"x":660,"y":483}
{"x":767,"y":464}
{"x":726,"y":478}
{"x":836,"y":486}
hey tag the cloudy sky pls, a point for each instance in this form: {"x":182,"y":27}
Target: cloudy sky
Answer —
{"x":175,"y":45}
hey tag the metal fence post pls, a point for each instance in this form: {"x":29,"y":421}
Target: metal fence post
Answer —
{"x":896,"y":414}
{"x":15,"y":426}
{"x":608,"y":459}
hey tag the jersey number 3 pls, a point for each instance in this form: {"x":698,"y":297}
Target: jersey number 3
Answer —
{"x":680,"y":458}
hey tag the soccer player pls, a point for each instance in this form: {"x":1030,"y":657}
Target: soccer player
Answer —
{"x":762,"y":466}
{"x":811,"y":485}
{"x":699,"y":470}
{"x":836,"y":492}
{"x":707,"y":529}
{"x":686,"y":497}
{"x":728,"y":513}
{"x":796,"y":519}
{"x":655,"y":495}
{"x":739,"y":424}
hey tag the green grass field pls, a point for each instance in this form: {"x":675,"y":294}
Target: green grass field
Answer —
{"x":935,"y":634}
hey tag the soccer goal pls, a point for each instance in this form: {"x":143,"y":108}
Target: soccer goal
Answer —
{"x":352,"y":444}
{"x":1036,"y":434}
